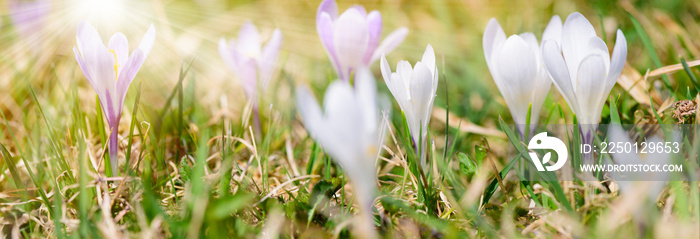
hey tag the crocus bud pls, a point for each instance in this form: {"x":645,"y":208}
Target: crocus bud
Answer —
{"x":516,"y":67}
{"x":350,"y":130}
{"x":583,"y":70}
{"x":248,"y":60}
{"x":352,"y":39}
{"x":414,"y":89}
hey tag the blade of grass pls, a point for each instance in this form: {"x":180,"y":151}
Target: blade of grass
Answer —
{"x":53,"y":140}
{"x":650,"y":49}
{"x":103,"y":136}
{"x":83,"y":198}
{"x":550,"y":177}
{"x":131,"y":129}
{"x":32,"y":176}
{"x":690,"y":74}
{"x":13,"y":168}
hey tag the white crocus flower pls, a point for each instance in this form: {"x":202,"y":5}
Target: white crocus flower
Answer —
{"x":583,"y":70}
{"x":350,"y":131}
{"x":516,"y":67}
{"x":414,"y":89}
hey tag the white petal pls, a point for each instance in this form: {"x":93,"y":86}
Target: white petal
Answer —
{"x":249,"y":40}
{"x":309,"y":110}
{"x":400,"y":91}
{"x":405,"y":71}
{"x":344,"y":123}
{"x":386,"y":70}
{"x":575,"y":37}
{"x":493,"y":35}
{"x":532,"y":43}
{"x":556,"y":66}
{"x":421,"y":96}
{"x":120,"y":45}
{"x":541,"y":90}
{"x":530,"y":38}
{"x":350,"y":39}
{"x":360,"y":9}
{"x":591,"y":89}
{"x":88,"y":40}
{"x":617,"y":61}
{"x":393,"y":82}
{"x":518,"y":70}
{"x":429,"y":59}
{"x":553,"y":30}
{"x":366,"y":95}
{"x":598,"y":46}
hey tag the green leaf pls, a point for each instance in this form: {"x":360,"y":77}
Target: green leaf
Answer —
{"x":614,"y":115}
{"x":131,"y":129}
{"x":324,"y":188}
{"x":466,"y":166}
{"x":225,"y":207}
{"x":12,"y":166}
{"x":479,"y":153}
{"x":491,"y":189}
{"x":185,"y":170}
{"x":547,"y":176}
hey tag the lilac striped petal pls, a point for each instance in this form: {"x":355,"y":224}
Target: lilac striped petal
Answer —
{"x":374,"y":25}
{"x":147,"y":41}
{"x":226,"y":55}
{"x":328,"y":7}
{"x":127,"y":74}
{"x":325,"y":31}
{"x":268,"y":59}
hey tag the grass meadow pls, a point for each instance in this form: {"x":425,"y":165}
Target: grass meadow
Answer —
{"x":191,"y":163}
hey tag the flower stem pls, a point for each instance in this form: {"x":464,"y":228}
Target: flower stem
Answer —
{"x":587,"y":135}
{"x":365,"y":227}
{"x":114,"y":150}
{"x":256,"y":123}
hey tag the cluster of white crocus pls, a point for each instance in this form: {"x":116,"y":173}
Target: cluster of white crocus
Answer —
{"x":583,"y":70}
{"x":351,"y":130}
{"x":414,"y":89}
{"x":516,"y":67}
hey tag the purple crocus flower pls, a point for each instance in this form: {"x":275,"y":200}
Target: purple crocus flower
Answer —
{"x":252,"y":63}
{"x":110,"y":69}
{"x":352,"y":39}
{"x":249,"y":61}
{"x":28,"y":17}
